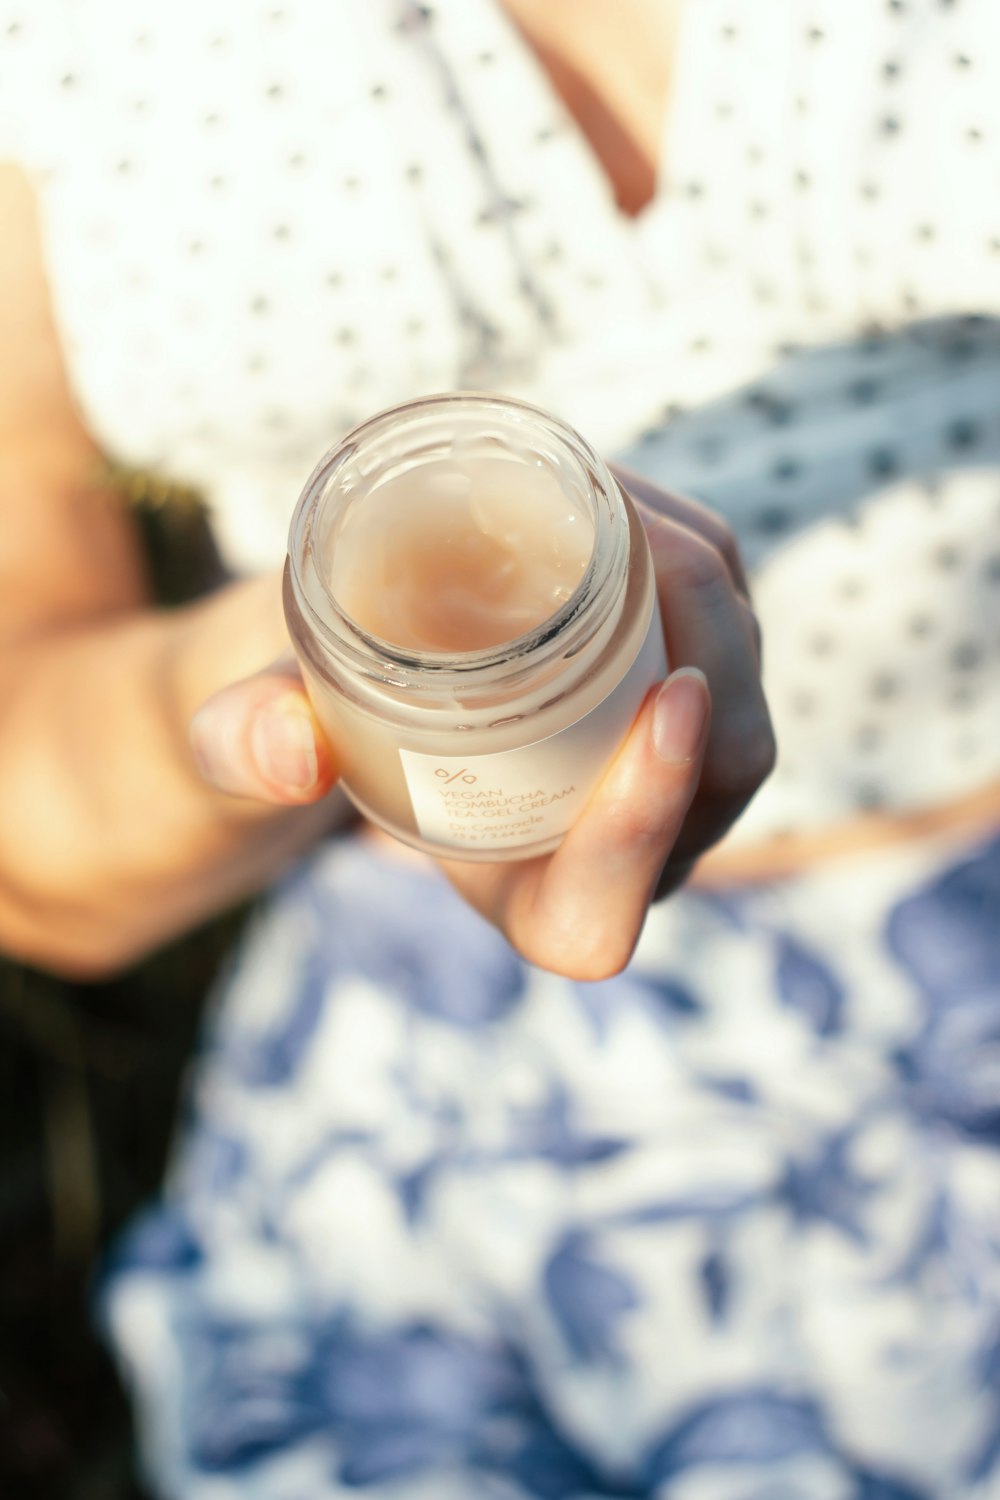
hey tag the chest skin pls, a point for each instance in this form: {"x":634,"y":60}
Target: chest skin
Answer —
{"x":612,"y":66}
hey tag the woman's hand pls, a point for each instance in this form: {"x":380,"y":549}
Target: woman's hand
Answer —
{"x":697,"y":753}
{"x":110,"y":841}
{"x":700,"y":748}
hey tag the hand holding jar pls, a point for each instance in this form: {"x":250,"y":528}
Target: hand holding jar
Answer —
{"x":483,"y":614}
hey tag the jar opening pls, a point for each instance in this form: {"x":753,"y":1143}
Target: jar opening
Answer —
{"x":452,"y":519}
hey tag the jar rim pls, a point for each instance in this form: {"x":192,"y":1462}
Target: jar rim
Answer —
{"x":370,"y":654}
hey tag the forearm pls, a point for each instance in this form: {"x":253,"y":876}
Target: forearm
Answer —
{"x":976,"y":814}
{"x":110,"y":842}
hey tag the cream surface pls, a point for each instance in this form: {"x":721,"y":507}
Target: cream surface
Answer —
{"x":460,"y":554}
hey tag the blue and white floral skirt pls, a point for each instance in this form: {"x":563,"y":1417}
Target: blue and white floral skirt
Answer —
{"x":727,"y":1227}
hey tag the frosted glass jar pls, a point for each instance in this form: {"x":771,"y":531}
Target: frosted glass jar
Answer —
{"x":491,"y":753}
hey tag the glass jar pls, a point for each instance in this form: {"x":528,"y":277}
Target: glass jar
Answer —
{"x":491,"y":753}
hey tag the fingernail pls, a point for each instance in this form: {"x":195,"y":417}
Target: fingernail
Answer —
{"x":680,"y":716}
{"x":216,"y":744}
{"x":284,"y":746}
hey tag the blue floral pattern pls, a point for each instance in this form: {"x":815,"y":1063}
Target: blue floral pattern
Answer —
{"x":726,"y":1227}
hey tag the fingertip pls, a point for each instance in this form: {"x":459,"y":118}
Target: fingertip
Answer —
{"x":286,"y":749}
{"x":259,"y":740}
{"x":682,"y":710}
{"x":216,"y":738}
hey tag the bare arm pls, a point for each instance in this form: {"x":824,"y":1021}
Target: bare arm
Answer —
{"x":110,"y":842}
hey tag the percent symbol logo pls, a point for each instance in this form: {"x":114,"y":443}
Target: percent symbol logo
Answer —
{"x":459,"y":775}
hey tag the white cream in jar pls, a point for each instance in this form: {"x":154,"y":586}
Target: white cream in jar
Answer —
{"x":461,"y":553}
{"x":473,"y":603}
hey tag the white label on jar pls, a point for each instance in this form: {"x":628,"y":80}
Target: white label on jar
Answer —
{"x":533,"y":794}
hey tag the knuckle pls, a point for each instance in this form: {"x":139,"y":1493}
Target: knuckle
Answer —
{"x":753,"y":625}
{"x":716,"y":534}
{"x":763,"y":754}
{"x":725,"y":541}
{"x":746,"y":760}
{"x":698,"y":566}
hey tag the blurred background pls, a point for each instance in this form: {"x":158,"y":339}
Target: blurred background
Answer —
{"x":90,"y":1077}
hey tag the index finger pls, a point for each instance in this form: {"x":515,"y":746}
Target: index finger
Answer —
{"x":708,"y":624}
{"x":655,"y":504}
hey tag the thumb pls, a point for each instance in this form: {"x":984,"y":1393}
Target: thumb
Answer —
{"x":259,"y":738}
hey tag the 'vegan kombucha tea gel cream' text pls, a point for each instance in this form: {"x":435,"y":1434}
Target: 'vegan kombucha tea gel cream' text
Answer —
{"x":472,"y":600}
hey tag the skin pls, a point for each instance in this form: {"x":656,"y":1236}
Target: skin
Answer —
{"x":612,"y":65}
